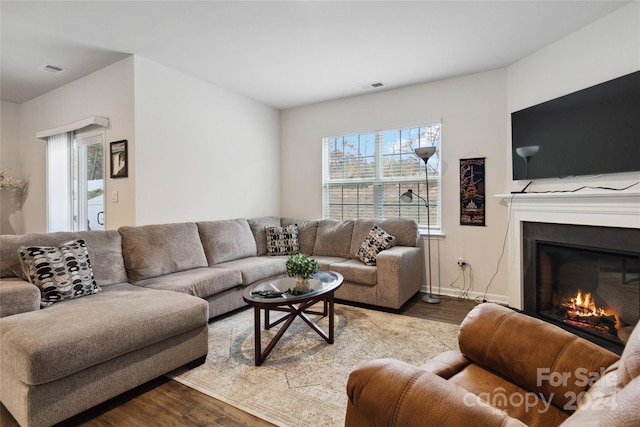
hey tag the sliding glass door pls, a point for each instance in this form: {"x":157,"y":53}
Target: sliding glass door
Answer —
{"x":88,"y":192}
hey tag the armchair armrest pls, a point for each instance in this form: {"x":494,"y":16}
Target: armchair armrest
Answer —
{"x":18,"y":296}
{"x":399,"y":274}
{"x":447,"y":364}
{"x":388,"y":392}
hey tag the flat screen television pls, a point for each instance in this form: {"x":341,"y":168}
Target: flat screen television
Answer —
{"x":590,"y":132}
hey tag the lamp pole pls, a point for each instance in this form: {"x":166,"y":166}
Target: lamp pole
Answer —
{"x":429,"y":298}
{"x":425,"y":153}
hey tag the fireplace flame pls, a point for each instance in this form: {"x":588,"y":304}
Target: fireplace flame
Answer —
{"x":583,"y":306}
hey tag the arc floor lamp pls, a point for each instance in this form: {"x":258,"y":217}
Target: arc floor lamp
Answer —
{"x":425,"y":153}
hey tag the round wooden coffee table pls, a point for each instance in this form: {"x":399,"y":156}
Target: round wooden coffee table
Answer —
{"x":274,"y":295}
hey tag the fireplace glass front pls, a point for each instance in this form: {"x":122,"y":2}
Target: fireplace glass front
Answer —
{"x":593,"y":291}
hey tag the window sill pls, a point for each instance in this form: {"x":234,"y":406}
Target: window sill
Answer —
{"x":435,"y":234}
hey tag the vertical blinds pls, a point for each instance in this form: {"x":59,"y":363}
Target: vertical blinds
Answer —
{"x":59,"y":182}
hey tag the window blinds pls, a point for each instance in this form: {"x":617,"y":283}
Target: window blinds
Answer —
{"x":59,"y":182}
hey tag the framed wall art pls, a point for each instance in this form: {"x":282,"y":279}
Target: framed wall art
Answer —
{"x":472,"y":191}
{"x":118,"y":156}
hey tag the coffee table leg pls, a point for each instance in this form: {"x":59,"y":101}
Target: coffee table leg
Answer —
{"x":331,"y":320}
{"x":257,"y":332}
{"x":266,"y":319}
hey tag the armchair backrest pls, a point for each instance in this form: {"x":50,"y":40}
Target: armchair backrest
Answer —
{"x":531,"y":353}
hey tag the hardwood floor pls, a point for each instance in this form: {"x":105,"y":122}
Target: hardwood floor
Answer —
{"x":163,"y":402}
{"x":450,"y":310}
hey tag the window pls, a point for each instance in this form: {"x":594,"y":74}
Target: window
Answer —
{"x":364,"y":175}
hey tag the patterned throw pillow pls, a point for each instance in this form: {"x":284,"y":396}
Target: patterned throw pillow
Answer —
{"x":282,"y":240}
{"x":62,"y":272}
{"x":376,"y":241}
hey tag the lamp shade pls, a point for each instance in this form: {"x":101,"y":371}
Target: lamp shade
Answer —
{"x":425,"y":152}
{"x":407,"y":196}
{"x":527,"y":151}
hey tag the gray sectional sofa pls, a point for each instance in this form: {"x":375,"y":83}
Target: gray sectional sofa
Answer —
{"x":160,"y":285}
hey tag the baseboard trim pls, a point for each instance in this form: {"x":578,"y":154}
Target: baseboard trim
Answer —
{"x":471,"y":295}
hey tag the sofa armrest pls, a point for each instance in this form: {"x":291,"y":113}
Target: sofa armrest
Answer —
{"x":387,"y":392}
{"x":399,"y":270}
{"x":18,"y":296}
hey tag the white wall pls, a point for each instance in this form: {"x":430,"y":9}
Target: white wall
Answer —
{"x":601,"y":51}
{"x":196,"y":151}
{"x":9,"y":137}
{"x":476,"y":122}
{"x":202,"y":152}
{"x":10,"y":215}
{"x":109,"y":93}
{"x":473,"y":111}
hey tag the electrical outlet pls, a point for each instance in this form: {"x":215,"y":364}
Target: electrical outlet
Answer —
{"x":462,"y":263}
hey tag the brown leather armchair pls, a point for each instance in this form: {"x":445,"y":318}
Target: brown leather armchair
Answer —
{"x":511,"y":370}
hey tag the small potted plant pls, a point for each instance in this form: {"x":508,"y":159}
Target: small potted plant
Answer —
{"x":302,"y":268}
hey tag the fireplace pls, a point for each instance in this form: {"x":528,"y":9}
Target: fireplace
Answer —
{"x":583,"y":278}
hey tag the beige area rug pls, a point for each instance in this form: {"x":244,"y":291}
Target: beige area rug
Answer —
{"x":303,"y":381}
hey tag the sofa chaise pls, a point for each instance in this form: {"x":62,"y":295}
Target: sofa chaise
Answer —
{"x":58,"y":361}
{"x":510,"y":370}
{"x":159,"y":285}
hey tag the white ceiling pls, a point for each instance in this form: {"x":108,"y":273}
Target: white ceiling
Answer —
{"x":281,"y":53}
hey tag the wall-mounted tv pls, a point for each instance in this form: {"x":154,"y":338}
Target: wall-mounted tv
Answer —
{"x":590,"y":132}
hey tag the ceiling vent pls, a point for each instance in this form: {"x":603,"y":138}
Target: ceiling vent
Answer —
{"x":52,"y":69}
{"x":374,"y":85}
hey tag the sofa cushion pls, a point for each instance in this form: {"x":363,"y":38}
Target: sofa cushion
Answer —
{"x":376,"y":241}
{"x":156,"y":250}
{"x":307,"y":230}
{"x":257,"y":226}
{"x":105,"y":249}
{"x":18,"y":296}
{"x":226,"y":240}
{"x":404,"y":230}
{"x":334,"y":238}
{"x":199,"y":282}
{"x":282,"y":240}
{"x":61,"y":272}
{"x":105,"y":246}
{"x":123,"y":318}
{"x":257,"y":268}
{"x":355,"y":271}
{"x":10,"y":260}
{"x":325,"y":262}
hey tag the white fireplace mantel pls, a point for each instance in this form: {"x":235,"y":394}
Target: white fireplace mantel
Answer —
{"x":606,"y":209}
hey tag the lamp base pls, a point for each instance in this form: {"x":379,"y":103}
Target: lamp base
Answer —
{"x":431,"y":299}
{"x":523,"y":190}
